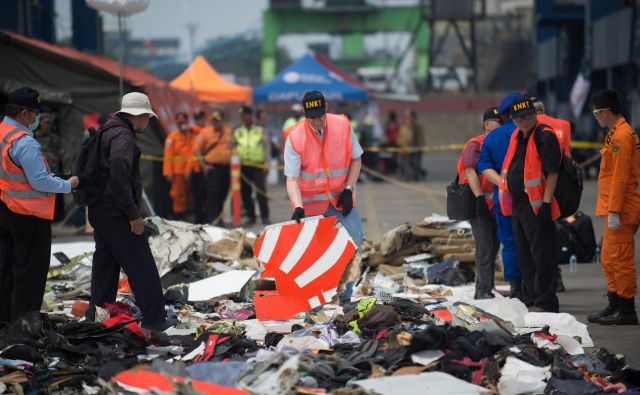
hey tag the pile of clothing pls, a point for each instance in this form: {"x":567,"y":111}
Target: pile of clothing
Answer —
{"x":412,"y":327}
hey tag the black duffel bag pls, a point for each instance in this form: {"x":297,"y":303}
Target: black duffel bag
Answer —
{"x":461,"y":202}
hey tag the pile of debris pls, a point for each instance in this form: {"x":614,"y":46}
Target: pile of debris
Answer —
{"x":412,"y":327}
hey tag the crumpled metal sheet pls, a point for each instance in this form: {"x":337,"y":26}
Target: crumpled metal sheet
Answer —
{"x":175,"y":242}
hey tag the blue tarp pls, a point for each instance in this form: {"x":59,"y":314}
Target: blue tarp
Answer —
{"x":307,"y":74}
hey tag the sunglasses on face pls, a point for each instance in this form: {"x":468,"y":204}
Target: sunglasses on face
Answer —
{"x":596,"y":112}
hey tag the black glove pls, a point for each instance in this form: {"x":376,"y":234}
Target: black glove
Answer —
{"x":544,"y":215}
{"x":482,"y":208}
{"x":298,"y":214}
{"x":345,"y":200}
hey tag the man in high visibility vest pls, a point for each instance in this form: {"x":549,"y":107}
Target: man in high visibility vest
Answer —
{"x":527,"y":185}
{"x":252,"y":143}
{"x":176,"y":167}
{"x":322,"y":162}
{"x":27,"y":200}
{"x":619,"y":201}
{"x":483,"y":225}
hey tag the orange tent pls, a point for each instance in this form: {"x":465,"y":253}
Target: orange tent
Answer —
{"x":209,"y":86}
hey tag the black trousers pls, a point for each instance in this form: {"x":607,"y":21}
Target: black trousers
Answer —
{"x":485,"y":234}
{"x":198,"y":197}
{"x":537,"y":251}
{"x":217,"y":183}
{"x":119,"y":248}
{"x":258,"y":177}
{"x":25,"y":254}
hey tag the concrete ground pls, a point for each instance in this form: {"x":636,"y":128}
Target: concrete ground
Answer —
{"x":386,"y":205}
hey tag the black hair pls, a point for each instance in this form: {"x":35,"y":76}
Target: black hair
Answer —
{"x":182,"y":114}
{"x":13,"y":110}
{"x":198,"y":115}
{"x":259,"y":113}
{"x":393,"y":116}
{"x":607,"y":98}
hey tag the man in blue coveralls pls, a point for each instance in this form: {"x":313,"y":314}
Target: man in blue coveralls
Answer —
{"x":492,"y":154}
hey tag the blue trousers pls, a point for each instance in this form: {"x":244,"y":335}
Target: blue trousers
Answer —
{"x":509,"y":256}
{"x":353,"y":224}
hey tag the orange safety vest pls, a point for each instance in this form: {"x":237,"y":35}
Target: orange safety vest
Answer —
{"x":15,"y":190}
{"x":485,"y":184}
{"x":562,"y":130}
{"x":324,"y":163}
{"x":534,"y":180}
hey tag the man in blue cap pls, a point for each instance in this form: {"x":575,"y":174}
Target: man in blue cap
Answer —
{"x":490,"y":161}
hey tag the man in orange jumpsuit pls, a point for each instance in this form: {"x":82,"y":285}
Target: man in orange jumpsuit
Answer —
{"x":619,"y":201}
{"x":177,"y":151}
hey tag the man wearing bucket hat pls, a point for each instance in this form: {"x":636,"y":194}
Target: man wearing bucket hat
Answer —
{"x":27,"y":200}
{"x":117,"y":221}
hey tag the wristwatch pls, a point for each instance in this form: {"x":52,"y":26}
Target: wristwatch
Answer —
{"x":349,"y":188}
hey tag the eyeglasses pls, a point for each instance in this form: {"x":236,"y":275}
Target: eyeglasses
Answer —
{"x":595,"y":112}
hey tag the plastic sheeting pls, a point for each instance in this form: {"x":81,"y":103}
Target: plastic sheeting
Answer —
{"x":431,"y":383}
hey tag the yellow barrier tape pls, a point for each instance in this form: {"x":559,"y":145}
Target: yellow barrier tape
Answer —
{"x":431,"y":148}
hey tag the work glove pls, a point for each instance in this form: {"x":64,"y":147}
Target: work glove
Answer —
{"x":298,"y":214}
{"x":482,"y":208}
{"x":613,"y":221}
{"x":544,"y":216}
{"x":345,"y":200}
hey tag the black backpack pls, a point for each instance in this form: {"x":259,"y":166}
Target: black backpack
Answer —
{"x":86,"y":165}
{"x":569,"y":186}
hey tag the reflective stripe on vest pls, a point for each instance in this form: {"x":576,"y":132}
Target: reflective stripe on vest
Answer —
{"x":534,"y":180}
{"x":3,"y":173}
{"x":15,"y":190}
{"x":319,"y":197}
{"x":320,"y":174}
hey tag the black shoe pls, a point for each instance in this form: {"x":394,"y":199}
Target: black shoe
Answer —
{"x":610,"y":309}
{"x":484,"y":295}
{"x":625,"y":314}
{"x":516,"y":289}
{"x":90,"y":314}
{"x":560,"y":284}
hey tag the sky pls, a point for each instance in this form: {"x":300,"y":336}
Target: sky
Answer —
{"x":215,"y":18}
{"x":169,"y":18}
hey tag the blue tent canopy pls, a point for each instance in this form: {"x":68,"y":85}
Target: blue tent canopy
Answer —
{"x":307,"y":74}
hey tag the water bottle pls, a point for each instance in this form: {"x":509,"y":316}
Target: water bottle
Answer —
{"x":597,"y":254}
{"x":573,"y":264}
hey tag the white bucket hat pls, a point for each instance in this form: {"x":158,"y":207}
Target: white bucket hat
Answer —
{"x":136,"y":103}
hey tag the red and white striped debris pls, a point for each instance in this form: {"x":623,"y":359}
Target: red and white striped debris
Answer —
{"x":306,"y":260}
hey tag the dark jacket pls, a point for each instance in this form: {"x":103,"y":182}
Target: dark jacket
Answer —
{"x":120,"y":161}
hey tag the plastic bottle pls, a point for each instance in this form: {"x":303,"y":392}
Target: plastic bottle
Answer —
{"x":573,"y":264}
{"x":597,"y":254}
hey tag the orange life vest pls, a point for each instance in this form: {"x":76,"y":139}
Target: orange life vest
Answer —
{"x":485,"y":184}
{"x":562,"y":130}
{"x":15,"y":190}
{"x":324,"y":164}
{"x":534,"y":179}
